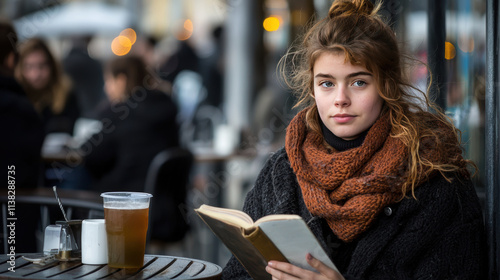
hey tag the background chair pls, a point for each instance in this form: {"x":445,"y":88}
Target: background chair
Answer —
{"x":167,"y":180}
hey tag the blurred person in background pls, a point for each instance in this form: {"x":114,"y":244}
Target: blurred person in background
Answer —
{"x":183,"y":58}
{"x":145,"y":48}
{"x":49,"y":90}
{"x":139,"y":122}
{"x":21,"y":141}
{"x":86,"y":75}
{"x":22,"y":130}
{"x":212,"y":69}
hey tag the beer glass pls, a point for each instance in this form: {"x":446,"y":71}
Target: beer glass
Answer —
{"x":126,"y":216}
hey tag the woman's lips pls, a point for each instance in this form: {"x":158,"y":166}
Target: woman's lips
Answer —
{"x":343,"y":118}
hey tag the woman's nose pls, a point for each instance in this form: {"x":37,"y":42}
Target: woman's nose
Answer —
{"x":342,"y":98}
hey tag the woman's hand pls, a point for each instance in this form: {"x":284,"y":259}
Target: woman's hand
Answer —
{"x":283,"y":270}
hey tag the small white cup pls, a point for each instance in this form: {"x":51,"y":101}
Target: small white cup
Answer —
{"x":94,"y":242}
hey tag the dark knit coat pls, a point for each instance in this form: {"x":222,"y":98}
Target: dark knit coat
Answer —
{"x":439,"y":235}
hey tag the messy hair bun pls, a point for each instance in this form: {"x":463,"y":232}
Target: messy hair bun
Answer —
{"x":354,"y":7}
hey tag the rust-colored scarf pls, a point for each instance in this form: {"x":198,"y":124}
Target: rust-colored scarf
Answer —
{"x":350,"y":188}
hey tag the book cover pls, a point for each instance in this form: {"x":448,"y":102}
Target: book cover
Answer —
{"x":283,"y":237}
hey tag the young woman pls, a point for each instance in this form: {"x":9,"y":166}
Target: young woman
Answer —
{"x":380,"y":181}
{"x":47,"y":87}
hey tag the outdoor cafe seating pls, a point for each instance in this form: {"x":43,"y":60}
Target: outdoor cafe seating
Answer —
{"x":36,"y":208}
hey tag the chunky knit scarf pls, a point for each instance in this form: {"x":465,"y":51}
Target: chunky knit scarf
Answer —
{"x":350,"y":188}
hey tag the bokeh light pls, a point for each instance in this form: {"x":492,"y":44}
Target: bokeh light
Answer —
{"x":449,"y":51}
{"x":130,"y":34}
{"x":188,"y":25}
{"x":186,"y":31}
{"x":271,"y":24}
{"x":121,"y":45}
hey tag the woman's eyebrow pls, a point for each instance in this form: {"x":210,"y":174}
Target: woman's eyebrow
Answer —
{"x":321,"y":75}
{"x":360,"y":73}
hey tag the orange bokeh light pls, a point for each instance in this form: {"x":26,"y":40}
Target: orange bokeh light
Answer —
{"x":121,"y":45}
{"x":130,"y":34}
{"x":271,"y":24}
{"x":188,"y":25}
{"x":187,"y":30}
{"x":449,"y":51}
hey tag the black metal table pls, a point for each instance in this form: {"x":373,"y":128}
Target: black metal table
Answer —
{"x":155,"y":267}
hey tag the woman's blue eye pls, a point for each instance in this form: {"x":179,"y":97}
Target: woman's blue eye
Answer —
{"x":359,"y":83}
{"x":326,"y":84}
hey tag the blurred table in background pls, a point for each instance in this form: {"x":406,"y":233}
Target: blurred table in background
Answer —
{"x":72,"y":196}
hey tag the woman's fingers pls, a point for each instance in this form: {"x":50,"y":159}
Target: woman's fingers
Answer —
{"x":322,"y":268}
{"x":287,"y":271}
{"x":277,"y":270}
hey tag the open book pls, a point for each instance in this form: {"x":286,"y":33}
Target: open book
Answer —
{"x":282,"y":237}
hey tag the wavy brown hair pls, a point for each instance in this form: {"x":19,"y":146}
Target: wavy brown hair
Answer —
{"x":354,"y":29}
{"x":55,"y":94}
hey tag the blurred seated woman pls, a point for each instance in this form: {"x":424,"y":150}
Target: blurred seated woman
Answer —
{"x":139,"y":122}
{"x":47,"y":87}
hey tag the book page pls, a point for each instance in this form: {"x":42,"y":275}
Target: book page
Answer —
{"x":231,"y":216}
{"x":276,"y":217}
{"x":294,"y":239}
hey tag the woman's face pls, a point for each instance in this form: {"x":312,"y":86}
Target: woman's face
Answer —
{"x":346,"y":96}
{"x":36,"y":70}
{"x":115,"y":87}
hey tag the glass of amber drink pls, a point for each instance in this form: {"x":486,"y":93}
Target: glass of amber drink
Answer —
{"x":126,"y":216}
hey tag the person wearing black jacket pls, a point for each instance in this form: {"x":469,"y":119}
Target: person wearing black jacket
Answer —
{"x":138,"y":123}
{"x":439,"y":235}
{"x":22,"y":129}
{"x":20,"y":143}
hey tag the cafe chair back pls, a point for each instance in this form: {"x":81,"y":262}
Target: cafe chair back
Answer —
{"x":168,"y":180}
